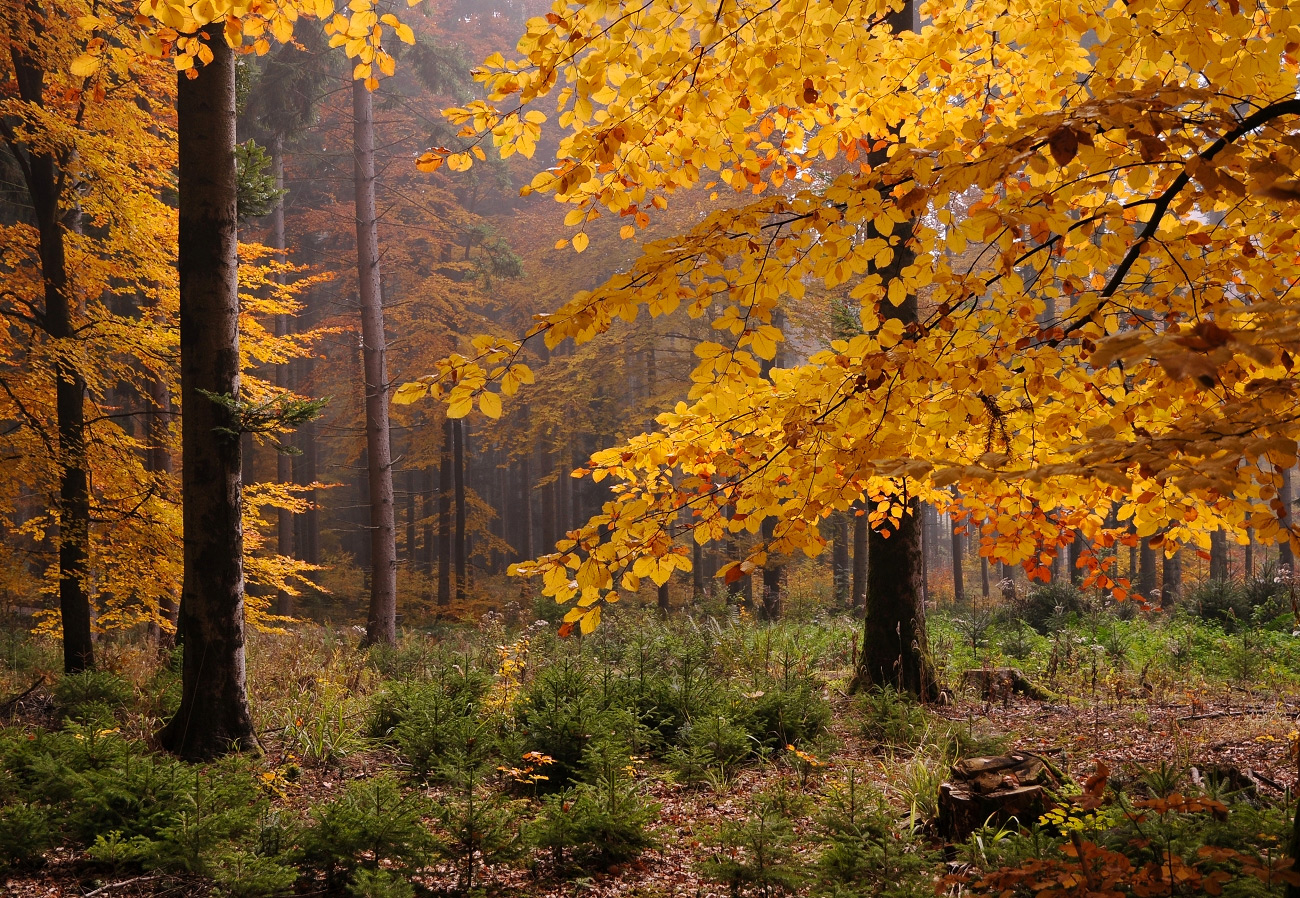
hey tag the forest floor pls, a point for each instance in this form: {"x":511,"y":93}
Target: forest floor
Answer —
{"x":1234,"y":731}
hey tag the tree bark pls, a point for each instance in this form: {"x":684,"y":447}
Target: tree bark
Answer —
{"x":1218,"y":555}
{"x":213,"y":717}
{"x":458,"y":466}
{"x":770,"y":608}
{"x":158,"y":461}
{"x":840,"y":565}
{"x":444,"y":515}
{"x":861,"y":547}
{"x":41,"y":172}
{"x":958,"y":583}
{"x":895,"y":650}
{"x":381,"y":624}
{"x":1077,"y":548}
{"x":1285,"y":554}
{"x":895,"y":647}
{"x":1171,"y":581}
{"x":284,"y":522}
{"x":1147,"y":578}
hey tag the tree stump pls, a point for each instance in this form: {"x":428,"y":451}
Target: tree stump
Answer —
{"x":992,"y":683}
{"x":994,"y":789}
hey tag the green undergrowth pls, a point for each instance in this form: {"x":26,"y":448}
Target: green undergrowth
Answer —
{"x":430,"y":767}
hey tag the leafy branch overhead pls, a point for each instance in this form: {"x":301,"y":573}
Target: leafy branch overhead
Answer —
{"x":1094,"y":213}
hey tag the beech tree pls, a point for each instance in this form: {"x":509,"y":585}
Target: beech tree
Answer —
{"x":1133,"y":179}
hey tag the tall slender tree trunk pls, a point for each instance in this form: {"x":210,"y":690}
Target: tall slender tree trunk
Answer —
{"x":458,"y":465}
{"x":958,"y":582}
{"x":770,"y":607}
{"x":1171,"y":581}
{"x":840,"y":565}
{"x":1285,"y":554}
{"x":213,"y":717}
{"x":1147,"y":577}
{"x":42,"y":175}
{"x":1077,"y":547}
{"x":1219,"y":555}
{"x":412,"y":541}
{"x":895,"y":650}
{"x":526,"y":505}
{"x":426,"y":512}
{"x":381,"y":624}
{"x":158,"y":461}
{"x":284,"y":523}
{"x":444,"y":515}
{"x":861,"y":547}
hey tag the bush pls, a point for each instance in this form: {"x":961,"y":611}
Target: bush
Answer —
{"x":1041,"y":606}
{"x":561,"y":712}
{"x":1224,"y":602}
{"x":372,"y":824}
{"x":864,"y":851}
{"x":598,"y":823}
{"x":756,"y":853}
{"x":93,"y":695}
{"x":784,"y":715}
{"x":26,"y":832}
{"x":893,"y":718}
{"x":711,"y":745}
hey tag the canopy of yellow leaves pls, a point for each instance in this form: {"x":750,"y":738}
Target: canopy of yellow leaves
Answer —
{"x":1103,"y":197}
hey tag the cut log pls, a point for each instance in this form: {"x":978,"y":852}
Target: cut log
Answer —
{"x":991,"y":683}
{"x":994,"y":790}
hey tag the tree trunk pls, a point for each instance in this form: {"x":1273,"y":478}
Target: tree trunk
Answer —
{"x":158,"y":461}
{"x":1077,"y":548}
{"x":958,"y":583}
{"x":284,"y":523}
{"x":840,"y":565}
{"x":526,"y":505}
{"x":412,"y":542}
{"x":1218,"y":555}
{"x":426,"y":512}
{"x":458,"y":466}
{"x":1147,"y":578}
{"x":1171,"y":585}
{"x":1250,"y":554}
{"x":444,"y":515}
{"x":895,"y":648}
{"x":213,"y":717}
{"x":770,"y":609}
{"x":697,"y":570}
{"x":861,"y":546}
{"x":41,"y":173}
{"x":381,"y":624}
{"x":1285,"y":554}
{"x":984,"y":577}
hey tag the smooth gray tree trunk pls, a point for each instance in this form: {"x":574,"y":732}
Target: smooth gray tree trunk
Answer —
{"x":381,"y":623}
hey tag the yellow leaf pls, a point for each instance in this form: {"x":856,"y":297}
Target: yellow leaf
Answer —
{"x":489,"y":404}
{"x":562,"y":243}
{"x":627,"y":232}
{"x":409,"y":393}
{"x":535,"y":116}
{"x":461,"y":405}
{"x":85,"y":66}
{"x":404,"y":33}
{"x":580,"y":242}
{"x":591,"y":620}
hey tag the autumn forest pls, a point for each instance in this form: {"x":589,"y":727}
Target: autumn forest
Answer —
{"x":828,"y":448}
